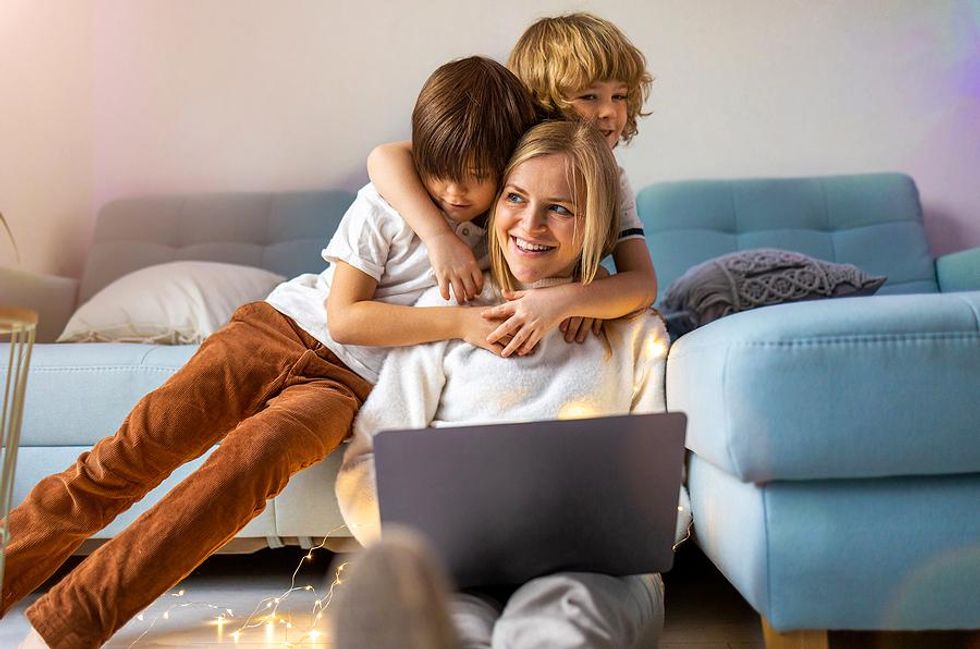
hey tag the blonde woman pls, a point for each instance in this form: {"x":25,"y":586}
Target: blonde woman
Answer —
{"x":554,"y":220}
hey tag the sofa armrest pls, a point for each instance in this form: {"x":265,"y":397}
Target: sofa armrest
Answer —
{"x":959,"y":271}
{"x":51,"y":296}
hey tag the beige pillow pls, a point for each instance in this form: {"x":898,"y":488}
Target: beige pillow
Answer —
{"x":177,"y":303}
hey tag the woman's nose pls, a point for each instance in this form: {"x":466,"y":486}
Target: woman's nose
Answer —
{"x":533,"y":220}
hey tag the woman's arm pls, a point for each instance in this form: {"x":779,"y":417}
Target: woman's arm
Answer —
{"x":391,"y":168}
{"x":406,"y":396}
{"x":529,"y":315}
{"x":356,"y":318}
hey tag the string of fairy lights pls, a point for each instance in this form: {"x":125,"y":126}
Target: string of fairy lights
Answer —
{"x":265,"y":615}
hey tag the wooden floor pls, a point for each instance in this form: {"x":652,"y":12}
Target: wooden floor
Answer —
{"x":703,"y":611}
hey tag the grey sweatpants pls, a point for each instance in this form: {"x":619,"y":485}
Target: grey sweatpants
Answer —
{"x":568,"y":610}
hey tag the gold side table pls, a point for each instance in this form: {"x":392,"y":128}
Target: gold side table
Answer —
{"x":17,"y":327}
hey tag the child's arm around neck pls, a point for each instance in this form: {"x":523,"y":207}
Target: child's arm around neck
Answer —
{"x":356,"y":318}
{"x":392,"y":170}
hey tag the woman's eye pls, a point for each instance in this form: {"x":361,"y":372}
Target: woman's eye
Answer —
{"x":562,"y":210}
{"x":513,"y":198}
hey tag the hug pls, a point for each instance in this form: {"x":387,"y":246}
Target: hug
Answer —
{"x":508,"y":172}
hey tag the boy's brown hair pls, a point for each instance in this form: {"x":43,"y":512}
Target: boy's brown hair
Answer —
{"x":557,"y":57}
{"x":468,"y":119}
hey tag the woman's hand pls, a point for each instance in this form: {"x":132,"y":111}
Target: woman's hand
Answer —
{"x":454,"y":265}
{"x":576,"y":329}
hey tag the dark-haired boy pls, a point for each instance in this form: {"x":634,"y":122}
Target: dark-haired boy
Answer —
{"x":278,"y":386}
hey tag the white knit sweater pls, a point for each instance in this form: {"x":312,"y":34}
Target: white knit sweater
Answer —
{"x":453,"y":383}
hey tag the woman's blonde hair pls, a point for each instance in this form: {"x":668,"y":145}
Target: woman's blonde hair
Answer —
{"x":594,"y":179}
{"x":556,"y":57}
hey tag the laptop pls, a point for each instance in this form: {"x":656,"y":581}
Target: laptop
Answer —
{"x":502,"y":504}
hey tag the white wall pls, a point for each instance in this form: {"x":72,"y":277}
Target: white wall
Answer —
{"x":109,"y":98}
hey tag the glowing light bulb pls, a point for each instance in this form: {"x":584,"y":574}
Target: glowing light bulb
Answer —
{"x":656,"y":347}
{"x":576,"y":410}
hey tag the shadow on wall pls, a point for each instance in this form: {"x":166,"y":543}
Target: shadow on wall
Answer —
{"x":945,"y":232}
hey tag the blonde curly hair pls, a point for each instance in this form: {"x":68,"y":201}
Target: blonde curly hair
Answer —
{"x":556,"y":57}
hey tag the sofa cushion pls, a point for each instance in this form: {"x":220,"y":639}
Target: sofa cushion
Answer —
{"x":848,"y":388}
{"x":880,"y":554}
{"x":65,"y":380}
{"x":744,"y":280}
{"x":873,"y":221}
{"x":176,"y":303}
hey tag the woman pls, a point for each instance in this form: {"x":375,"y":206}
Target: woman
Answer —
{"x":553,"y":222}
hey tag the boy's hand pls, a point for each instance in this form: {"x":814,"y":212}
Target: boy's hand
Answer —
{"x":474,"y":329}
{"x":577,"y":329}
{"x":528,"y":316}
{"x":455,"y":266}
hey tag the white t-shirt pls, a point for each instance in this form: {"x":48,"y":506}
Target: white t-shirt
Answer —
{"x":373,"y":238}
{"x":630,"y":226}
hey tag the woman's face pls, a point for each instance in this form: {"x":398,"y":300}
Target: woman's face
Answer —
{"x":537,"y":222}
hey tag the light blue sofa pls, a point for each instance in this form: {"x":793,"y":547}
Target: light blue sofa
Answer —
{"x":835,"y":474}
{"x":835,"y":445}
{"x":79,"y":392}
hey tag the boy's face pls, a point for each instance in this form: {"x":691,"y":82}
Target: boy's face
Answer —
{"x":604,"y":102}
{"x":463,"y":200}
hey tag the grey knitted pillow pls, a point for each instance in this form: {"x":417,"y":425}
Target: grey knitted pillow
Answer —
{"x":752,"y":278}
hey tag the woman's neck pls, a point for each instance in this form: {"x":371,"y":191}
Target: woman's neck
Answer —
{"x":545,"y":282}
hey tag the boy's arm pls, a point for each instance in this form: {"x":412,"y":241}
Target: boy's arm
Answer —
{"x":355,"y":318}
{"x":392,"y":170}
{"x":531,"y":314}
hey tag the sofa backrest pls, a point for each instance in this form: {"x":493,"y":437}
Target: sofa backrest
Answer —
{"x":281,"y":232}
{"x":873,"y":221}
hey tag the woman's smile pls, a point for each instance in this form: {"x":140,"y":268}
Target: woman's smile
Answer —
{"x":537,"y":216}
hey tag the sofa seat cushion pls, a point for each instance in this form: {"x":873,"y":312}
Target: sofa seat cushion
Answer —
{"x":880,"y":554}
{"x":848,"y":388}
{"x":65,"y":381}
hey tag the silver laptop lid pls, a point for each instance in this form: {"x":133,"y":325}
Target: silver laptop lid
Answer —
{"x":502,"y":504}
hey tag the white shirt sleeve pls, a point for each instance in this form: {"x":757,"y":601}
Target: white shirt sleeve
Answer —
{"x":406,"y":396}
{"x":630,"y":226}
{"x":360,"y":240}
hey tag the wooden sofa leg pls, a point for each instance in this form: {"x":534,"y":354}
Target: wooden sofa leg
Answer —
{"x":793,"y":639}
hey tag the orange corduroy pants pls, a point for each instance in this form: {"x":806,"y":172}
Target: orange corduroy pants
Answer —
{"x":275,"y":398}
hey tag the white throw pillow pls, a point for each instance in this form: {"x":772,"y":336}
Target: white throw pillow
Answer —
{"x":177,"y":303}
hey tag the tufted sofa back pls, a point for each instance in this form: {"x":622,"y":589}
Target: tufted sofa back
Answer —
{"x":281,"y":232}
{"x":873,"y":221}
